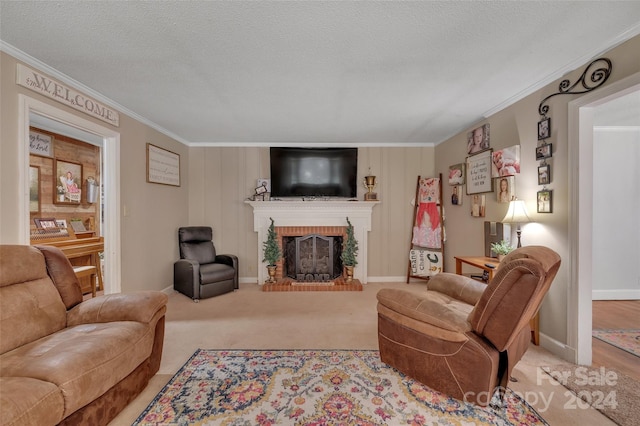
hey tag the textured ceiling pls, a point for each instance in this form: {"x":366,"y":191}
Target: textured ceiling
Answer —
{"x":325,"y":72}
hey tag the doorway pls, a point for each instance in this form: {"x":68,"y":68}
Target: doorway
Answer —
{"x":586,"y":210}
{"x":76,"y":126}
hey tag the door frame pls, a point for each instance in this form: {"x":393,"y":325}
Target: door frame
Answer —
{"x":110,"y":181}
{"x":580,"y":145}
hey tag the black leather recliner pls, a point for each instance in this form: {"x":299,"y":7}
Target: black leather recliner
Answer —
{"x":201,"y":273}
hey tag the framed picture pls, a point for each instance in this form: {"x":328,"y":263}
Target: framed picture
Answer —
{"x":40,"y":144}
{"x":67,"y":182}
{"x":544,"y":129}
{"x":544,"y":174}
{"x":506,"y":188}
{"x":544,"y":151}
{"x":456,"y":195}
{"x":61,"y":223}
{"x":478,"y":203}
{"x":163,"y":166}
{"x":457,"y":174}
{"x":34,"y":189}
{"x":77,"y":225}
{"x":45,"y":223}
{"x":505,"y":162}
{"x":478,"y":140}
{"x":545,"y":201}
{"x":479,"y":173}
{"x":264,"y":183}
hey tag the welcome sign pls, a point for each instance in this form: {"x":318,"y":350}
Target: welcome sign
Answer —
{"x":40,"y":83}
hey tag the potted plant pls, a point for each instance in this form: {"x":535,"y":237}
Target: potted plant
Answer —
{"x":501,"y":249}
{"x":349,"y":252}
{"x":271,"y":252}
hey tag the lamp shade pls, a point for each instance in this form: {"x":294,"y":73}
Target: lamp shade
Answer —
{"x":517,"y":213}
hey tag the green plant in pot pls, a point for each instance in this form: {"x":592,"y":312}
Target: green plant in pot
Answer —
{"x":271,"y":252}
{"x":349,"y":252}
{"x":501,"y":249}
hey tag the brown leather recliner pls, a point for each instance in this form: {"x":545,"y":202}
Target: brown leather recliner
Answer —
{"x":462,"y":337}
{"x":201,"y":272}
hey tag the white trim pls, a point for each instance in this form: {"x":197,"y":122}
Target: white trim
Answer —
{"x":556,"y":347}
{"x":110,"y":180}
{"x":627,"y":294}
{"x":580,"y":163}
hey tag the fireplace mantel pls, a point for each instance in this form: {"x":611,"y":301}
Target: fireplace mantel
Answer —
{"x":314,"y":213}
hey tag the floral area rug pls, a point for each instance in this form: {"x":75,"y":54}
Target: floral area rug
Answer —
{"x":312,"y":387}
{"x":627,"y":340}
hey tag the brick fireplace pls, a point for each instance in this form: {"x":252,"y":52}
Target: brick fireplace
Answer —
{"x":301,"y":231}
{"x":299,"y":218}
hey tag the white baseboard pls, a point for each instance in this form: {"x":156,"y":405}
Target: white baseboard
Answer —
{"x":168,"y":290}
{"x":558,"y":348}
{"x":625,"y":294}
{"x":387,"y":279}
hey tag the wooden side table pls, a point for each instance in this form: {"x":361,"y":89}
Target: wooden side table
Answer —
{"x":482,"y":262}
{"x":478,"y":262}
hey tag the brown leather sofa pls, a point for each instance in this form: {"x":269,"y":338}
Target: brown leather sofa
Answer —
{"x":462,"y":337}
{"x":65,"y":361}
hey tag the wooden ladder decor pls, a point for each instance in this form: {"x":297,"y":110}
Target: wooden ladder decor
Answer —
{"x":426,"y":250}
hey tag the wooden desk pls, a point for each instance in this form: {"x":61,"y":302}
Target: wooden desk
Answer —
{"x":88,"y":248}
{"x":481,"y":262}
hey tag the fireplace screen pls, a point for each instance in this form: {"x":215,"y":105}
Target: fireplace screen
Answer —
{"x":312,"y":257}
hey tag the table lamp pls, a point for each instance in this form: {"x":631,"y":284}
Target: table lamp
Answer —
{"x":517,"y":214}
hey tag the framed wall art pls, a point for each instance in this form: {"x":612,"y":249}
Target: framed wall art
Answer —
{"x":544,"y":128}
{"x":457,"y":174}
{"x":545,"y":201}
{"x":505,"y":162}
{"x":544,"y":174}
{"x":34,"y":189}
{"x":505,"y":188}
{"x":40,"y":144}
{"x":67,"y":182}
{"x":163,"y":166}
{"x":478,"y":205}
{"x":456,"y":195}
{"x":479,"y":173}
{"x":544,"y":151}
{"x":478,"y":140}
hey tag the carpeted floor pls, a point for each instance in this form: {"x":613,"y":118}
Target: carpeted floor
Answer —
{"x":603,"y":388}
{"x":627,"y":340}
{"x":312,"y":387}
{"x":252,"y":319}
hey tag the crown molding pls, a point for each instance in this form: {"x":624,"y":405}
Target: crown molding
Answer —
{"x":54,"y":73}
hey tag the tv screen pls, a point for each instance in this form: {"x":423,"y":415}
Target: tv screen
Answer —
{"x":314,"y":172}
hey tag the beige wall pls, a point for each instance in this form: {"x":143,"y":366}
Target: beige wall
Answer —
{"x":148,"y":232}
{"x":222,"y":178}
{"x":514,"y":125}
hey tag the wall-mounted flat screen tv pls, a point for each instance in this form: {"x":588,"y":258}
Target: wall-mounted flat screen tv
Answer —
{"x":314,"y":172}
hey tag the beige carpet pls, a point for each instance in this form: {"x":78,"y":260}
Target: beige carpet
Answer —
{"x":253,"y":319}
